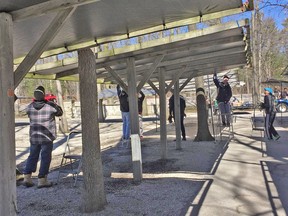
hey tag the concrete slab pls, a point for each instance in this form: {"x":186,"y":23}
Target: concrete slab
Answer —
{"x":246,"y":183}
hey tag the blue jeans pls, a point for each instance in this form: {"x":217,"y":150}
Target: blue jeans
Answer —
{"x":269,"y":128}
{"x":225,"y":112}
{"x":182,"y":126}
{"x":140,"y":124}
{"x":46,"y":156}
{"x":126,"y":125}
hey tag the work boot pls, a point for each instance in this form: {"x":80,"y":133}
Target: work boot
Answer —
{"x":19,"y":175}
{"x":277,"y":137}
{"x":28,"y":181}
{"x":43,"y":182}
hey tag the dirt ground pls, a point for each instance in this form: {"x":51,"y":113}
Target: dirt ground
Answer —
{"x":167,"y":186}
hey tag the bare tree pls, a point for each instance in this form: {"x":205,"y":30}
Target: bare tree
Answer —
{"x":276,"y":3}
{"x":284,"y":37}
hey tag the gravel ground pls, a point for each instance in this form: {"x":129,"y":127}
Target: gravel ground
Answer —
{"x":168,"y":187}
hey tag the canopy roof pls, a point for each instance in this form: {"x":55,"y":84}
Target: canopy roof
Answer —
{"x":60,"y":26}
{"x":99,"y":21}
{"x":276,"y":82}
{"x":184,"y":56}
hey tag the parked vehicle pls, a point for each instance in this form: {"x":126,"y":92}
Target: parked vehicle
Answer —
{"x":281,"y":105}
{"x":238,"y":104}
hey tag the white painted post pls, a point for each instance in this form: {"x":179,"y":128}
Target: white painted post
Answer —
{"x":136,"y":157}
{"x":134,"y":120}
{"x":8,"y":205}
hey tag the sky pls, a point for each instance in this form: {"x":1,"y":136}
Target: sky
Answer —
{"x":277,"y":13}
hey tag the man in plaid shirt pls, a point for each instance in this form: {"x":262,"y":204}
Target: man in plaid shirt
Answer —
{"x":42,"y":134}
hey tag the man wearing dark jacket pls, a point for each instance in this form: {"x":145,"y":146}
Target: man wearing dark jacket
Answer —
{"x":223,"y":98}
{"x":270,"y":114}
{"x":141,"y":97}
{"x":124,"y":107}
{"x":182,"y":113}
{"x":42,"y":134}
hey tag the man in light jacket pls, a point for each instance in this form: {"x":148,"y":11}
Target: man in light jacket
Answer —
{"x":42,"y":134}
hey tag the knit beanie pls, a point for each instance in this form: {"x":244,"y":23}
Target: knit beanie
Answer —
{"x":39,"y":93}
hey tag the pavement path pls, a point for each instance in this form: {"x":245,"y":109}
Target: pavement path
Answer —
{"x":250,"y":179}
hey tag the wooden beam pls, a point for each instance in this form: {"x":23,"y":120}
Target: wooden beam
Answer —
{"x":203,"y":65}
{"x":163,"y":119}
{"x":41,"y":45}
{"x":150,"y":72}
{"x":177,"y":115}
{"x":176,"y":78}
{"x":208,"y":63}
{"x":40,"y":76}
{"x":67,"y":73}
{"x":153,"y":86}
{"x":8,"y":202}
{"x":186,"y":81}
{"x":195,"y":54}
{"x":47,"y":7}
{"x":132,"y":96}
{"x":117,"y":78}
{"x":188,"y":59}
{"x":72,"y":79}
{"x":55,"y":77}
{"x":122,"y":72}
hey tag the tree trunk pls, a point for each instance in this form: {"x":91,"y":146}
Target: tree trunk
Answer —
{"x":203,"y":133}
{"x":63,"y":125}
{"x":94,"y":197}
